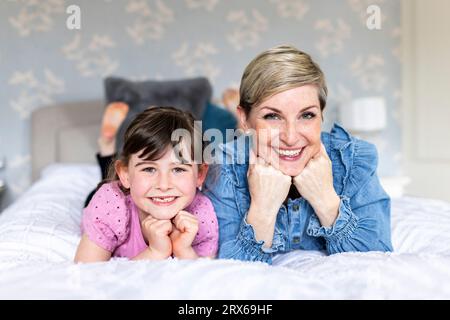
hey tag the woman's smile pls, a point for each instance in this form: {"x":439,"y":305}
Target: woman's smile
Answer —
{"x":289,"y":154}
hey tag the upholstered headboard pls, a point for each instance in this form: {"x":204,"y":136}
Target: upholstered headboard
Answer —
{"x":65,"y":133}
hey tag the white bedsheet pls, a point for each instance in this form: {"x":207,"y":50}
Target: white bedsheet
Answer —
{"x":39,"y":234}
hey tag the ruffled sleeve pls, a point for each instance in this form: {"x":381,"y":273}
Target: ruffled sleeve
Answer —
{"x":365,"y":162}
{"x":363,"y":222}
{"x":106,"y":220}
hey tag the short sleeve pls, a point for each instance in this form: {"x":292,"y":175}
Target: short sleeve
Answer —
{"x":206,"y":241}
{"x":106,"y":220}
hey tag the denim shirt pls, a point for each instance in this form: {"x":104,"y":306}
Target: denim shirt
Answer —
{"x":363,"y":222}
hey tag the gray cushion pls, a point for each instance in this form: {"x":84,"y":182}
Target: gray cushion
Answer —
{"x":188,"y":94}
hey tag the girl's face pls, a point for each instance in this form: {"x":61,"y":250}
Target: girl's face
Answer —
{"x":163,"y":187}
{"x":288,"y":126}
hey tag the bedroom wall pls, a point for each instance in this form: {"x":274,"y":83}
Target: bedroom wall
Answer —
{"x":43,"y":62}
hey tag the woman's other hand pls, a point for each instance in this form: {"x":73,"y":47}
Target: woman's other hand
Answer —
{"x":315,"y":184}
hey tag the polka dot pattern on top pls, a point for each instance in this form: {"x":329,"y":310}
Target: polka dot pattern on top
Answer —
{"x":207,"y":239}
{"x":106,"y":218}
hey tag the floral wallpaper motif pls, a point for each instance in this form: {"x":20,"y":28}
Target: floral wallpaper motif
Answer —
{"x":150,"y":22}
{"x":333,"y":36}
{"x":92,"y":58}
{"x":35,"y":16}
{"x":194,"y":60}
{"x":291,"y":8}
{"x":205,"y":4}
{"x":34,"y":92}
{"x":368,"y":71}
{"x":247,"y":28}
{"x":43,"y":62}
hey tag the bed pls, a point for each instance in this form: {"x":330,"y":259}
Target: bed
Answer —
{"x":40,"y":231}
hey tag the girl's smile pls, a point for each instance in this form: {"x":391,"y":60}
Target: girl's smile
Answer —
{"x":164,"y":200}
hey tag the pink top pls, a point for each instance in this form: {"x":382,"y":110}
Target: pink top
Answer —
{"x":111,"y":220}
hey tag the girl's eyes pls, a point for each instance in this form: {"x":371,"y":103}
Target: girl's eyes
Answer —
{"x":179,"y":170}
{"x":175,"y":170}
{"x":274,"y":116}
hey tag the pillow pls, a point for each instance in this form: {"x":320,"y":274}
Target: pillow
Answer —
{"x":188,"y":94}
{"x":216,"y":117}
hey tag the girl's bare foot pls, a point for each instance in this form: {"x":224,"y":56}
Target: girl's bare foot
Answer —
{"x":230,"y":99}
{"x":113,"y":117}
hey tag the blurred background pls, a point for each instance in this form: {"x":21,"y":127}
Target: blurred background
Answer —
{"x":386,"y":62}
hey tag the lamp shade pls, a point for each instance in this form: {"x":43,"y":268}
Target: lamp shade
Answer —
{"x":364,"y":114}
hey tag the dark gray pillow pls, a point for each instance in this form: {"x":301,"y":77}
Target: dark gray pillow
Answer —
{"x":188,"y":94}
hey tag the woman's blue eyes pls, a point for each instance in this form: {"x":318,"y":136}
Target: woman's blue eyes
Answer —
{"x":274,"y":116}
{"x":308,"y":115}
{"x":152,"y":170}
{"x":271,"y":116}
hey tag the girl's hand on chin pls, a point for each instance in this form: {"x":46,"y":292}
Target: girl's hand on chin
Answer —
{"x":185,"y":228}
{"x":157,"y":233}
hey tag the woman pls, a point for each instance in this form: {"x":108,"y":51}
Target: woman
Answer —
{"x":298,"y":188}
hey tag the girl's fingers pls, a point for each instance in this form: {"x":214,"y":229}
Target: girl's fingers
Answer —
{"x":184,"y":220}
{"x":174,"y":232}
{"x":149,"y":221}
{"x":166,"y":225}
{"x":183,"y":225}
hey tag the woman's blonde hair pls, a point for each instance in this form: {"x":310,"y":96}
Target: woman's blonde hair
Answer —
{"x":276,"y":70}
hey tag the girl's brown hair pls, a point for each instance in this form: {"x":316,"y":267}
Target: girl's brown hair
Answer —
{"x":151,"y":132}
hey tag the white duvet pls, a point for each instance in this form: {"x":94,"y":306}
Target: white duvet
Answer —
{"x":39,"y":234}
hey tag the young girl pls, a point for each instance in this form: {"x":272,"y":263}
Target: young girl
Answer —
{"x":152,"y":208}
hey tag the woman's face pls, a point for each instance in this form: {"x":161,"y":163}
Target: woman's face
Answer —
{"x":288,"y":126}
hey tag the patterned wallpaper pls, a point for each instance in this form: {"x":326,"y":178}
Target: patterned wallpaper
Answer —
{"x":42,"y":61}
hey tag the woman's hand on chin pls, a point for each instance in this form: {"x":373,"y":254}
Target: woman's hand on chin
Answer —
{"x":315,"y":184}
{"x":268,"y":188}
